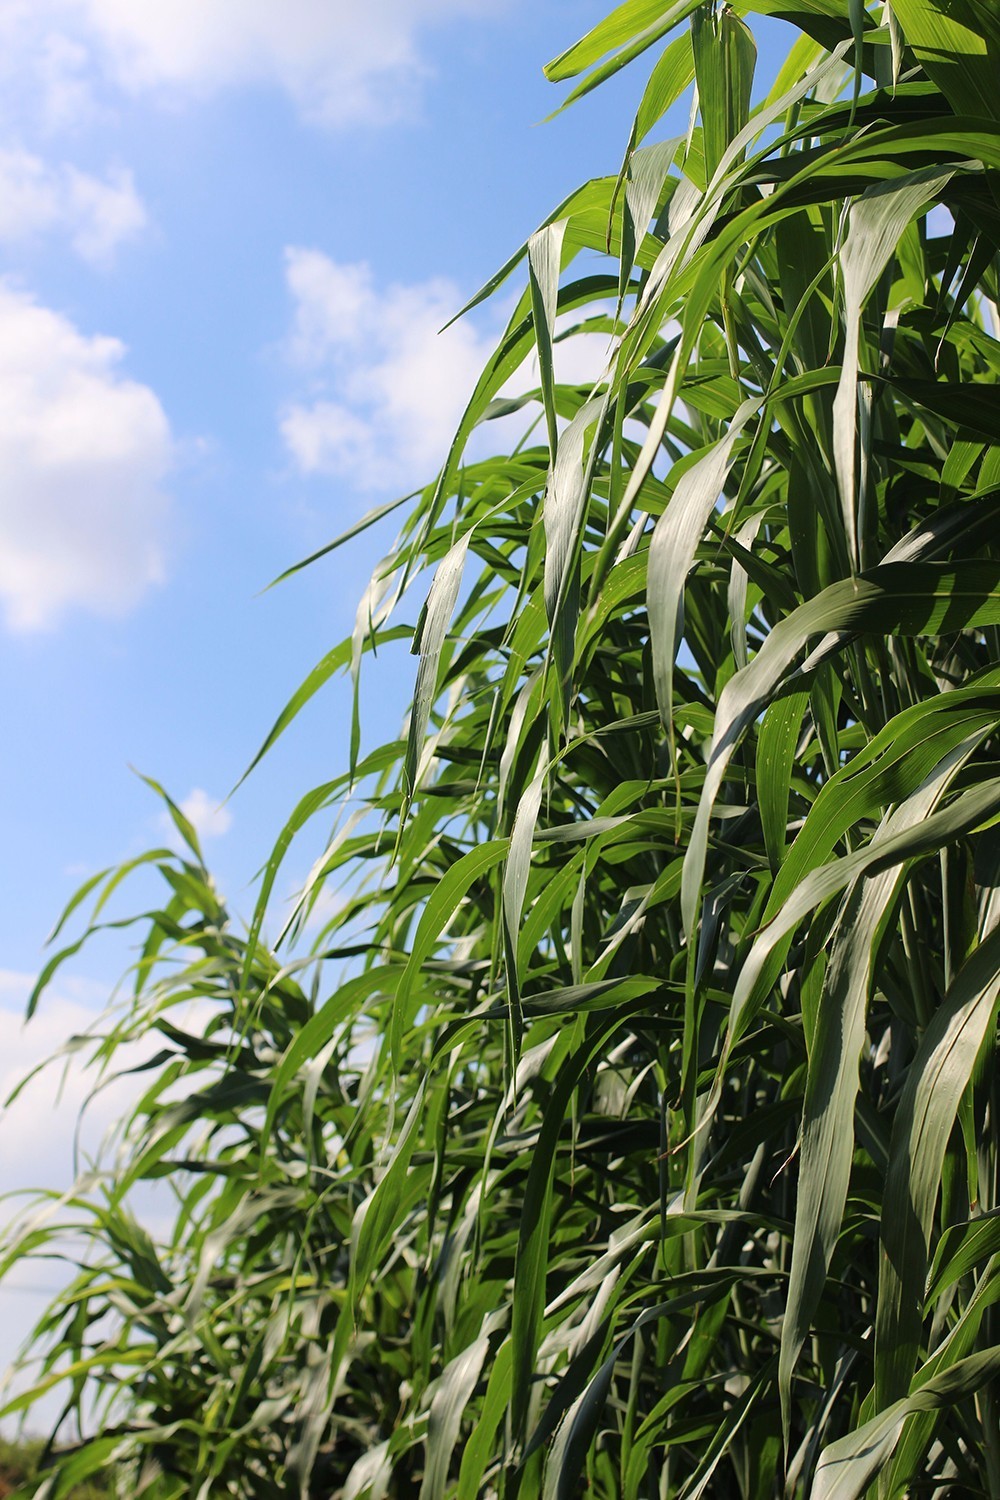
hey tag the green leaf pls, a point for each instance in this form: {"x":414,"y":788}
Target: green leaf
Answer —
{"x":827,"y":1136}
{"x":958,"y":43}
{"x":776,"y":745}
{"x":442,"y":906}
{"x":544,"y":260}
{"x":905,"y":598}
{"x":429,"y":642}
{"x":935,"y":1083}
{"x":724,"y":59}
{"x":632,"y":20}
{"x":672,"y":551}
{"x":875,"y":225}
{"x":451,"y":1398}
{"x":847,"y":1466}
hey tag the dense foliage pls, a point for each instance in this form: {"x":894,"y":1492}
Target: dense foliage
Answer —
{"x":632,"y":1127}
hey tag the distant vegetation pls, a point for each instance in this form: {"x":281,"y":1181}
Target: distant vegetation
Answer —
{"x":19,"y":1467}
{"x":632,"y":1127}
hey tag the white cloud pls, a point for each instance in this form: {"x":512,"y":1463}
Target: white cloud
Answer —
{"x":211,"y":820}
{"x":388,"y":387}
{"x":37,"y":198}
{"x":338,"y":61}
{"x":83,"y":454}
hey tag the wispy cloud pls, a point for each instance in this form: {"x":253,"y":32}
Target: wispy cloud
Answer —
{"x":340,"y":63}
{"x":96,"y":214}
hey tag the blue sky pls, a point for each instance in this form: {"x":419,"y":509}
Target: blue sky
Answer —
{"x":228,"y":234}
{"x":212,"y":237}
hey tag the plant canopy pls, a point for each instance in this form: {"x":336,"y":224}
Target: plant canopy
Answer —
{"x":632,"y":1127}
